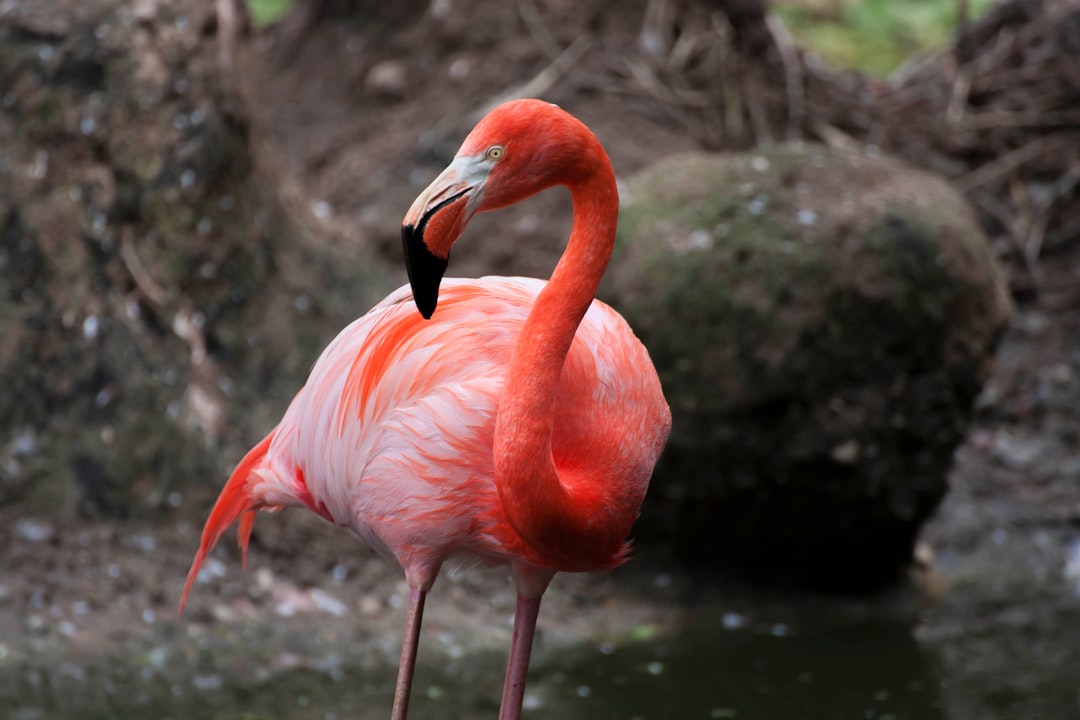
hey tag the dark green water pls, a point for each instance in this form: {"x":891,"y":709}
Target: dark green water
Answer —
{"x":714,"y":671}
{"x":728,"y":667}
{"x":865,"y":671}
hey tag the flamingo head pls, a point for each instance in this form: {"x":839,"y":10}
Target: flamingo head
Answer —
{"x":518,"y":149}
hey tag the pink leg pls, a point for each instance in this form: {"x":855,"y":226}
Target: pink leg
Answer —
{"x":531,"y":582}
{"x":408,"y":653}
{"x":520,"y":649}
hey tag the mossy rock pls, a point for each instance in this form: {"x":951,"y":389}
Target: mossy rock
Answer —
{"x":158,"y":308}
{"x":822,"y":321}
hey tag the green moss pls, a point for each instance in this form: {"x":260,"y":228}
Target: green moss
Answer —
{"x":49,"y":108}
{"x":48,"y":482}
{"x":715,"y":245}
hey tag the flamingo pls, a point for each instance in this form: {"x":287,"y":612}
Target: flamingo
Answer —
{"x":511,"y":421}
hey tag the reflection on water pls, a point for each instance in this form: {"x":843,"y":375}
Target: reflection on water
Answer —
{"x":765,"y":672}
{"x":732,"y":668}
{"x":972,"y":662}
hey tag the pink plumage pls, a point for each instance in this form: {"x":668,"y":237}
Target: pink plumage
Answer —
{"x":519,"y":425}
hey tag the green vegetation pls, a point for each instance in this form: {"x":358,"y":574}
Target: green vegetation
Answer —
{"x":874,"y":36}
{"x":266,"y":12}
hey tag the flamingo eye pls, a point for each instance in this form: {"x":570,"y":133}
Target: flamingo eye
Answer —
{"x":495,"y":153}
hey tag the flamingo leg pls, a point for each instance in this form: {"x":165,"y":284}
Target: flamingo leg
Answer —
{"x":517,"y":667}
{"x":409,"y":644}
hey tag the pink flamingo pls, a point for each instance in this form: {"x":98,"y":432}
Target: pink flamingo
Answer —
{"x":519,"y":425}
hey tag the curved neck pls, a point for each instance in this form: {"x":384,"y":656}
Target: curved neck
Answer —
{"x":564,"y":527}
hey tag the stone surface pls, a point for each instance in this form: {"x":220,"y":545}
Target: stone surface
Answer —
{"x":155,"y":314}
{"x":822,"y":321}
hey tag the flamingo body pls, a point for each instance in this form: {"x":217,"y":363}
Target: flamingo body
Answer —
{"x":391,"y":436}
{"x":518,"y":425}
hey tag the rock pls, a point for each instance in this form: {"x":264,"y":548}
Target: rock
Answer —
{"x":822,"y":322}
{"x":387,"y":78}
{"x":150,"y":328}
{"x":34,"y":531}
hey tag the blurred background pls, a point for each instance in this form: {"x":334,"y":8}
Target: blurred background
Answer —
{"x":849,"y":236}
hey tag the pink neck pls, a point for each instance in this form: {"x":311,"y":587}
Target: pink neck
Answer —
{"x":563,"y":525}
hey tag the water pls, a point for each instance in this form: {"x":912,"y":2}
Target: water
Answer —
{"x":872,"y":670}
{"x":719,"y":671}
{"x":724,"y":667}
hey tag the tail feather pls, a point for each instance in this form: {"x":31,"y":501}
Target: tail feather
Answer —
{"x":243,"y":534}
{"x":235,"y":501}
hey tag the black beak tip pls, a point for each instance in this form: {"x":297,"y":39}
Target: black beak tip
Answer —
{"x":424,"y":268}
{"x":426,"y":306}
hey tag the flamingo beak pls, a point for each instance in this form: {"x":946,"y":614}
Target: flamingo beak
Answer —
{"x":434,"y":223}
